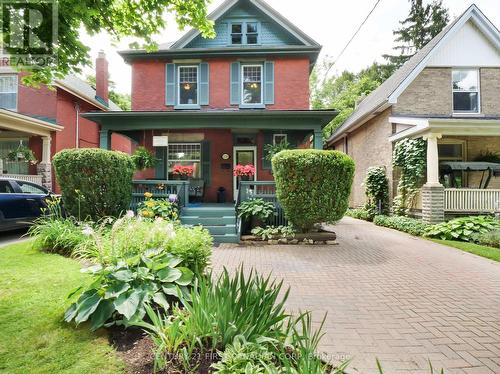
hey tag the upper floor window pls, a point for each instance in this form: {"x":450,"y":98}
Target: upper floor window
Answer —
{"x":465,"y":91}
{"x":8,"y":92}
{"x":188,"y":85}
{"x":244,"y":33}
{"x":251,"y":88}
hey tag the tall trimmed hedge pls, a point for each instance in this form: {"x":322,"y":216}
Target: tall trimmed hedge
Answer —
{"x":313,"y":186}
{"x":95,"y":183}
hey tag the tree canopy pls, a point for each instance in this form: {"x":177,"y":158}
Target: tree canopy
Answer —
{"x":141,"y":19}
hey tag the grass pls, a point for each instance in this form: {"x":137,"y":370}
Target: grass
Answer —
{"x":480,"y":250}
{"x":33,"y":336}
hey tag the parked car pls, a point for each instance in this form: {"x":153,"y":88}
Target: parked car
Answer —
{"x":21,"y":202}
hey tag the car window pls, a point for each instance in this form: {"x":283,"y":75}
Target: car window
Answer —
{"x":27,"y":187}
{"x":5,"y":187}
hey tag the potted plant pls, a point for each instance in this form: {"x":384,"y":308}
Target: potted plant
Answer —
{"x":243,"y":172}
{"x":144,"y":159}
{"x":256,"y":212}
{"x":182,"y":172}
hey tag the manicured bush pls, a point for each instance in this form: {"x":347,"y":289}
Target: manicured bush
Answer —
{"x":95,"y":183}
{"x":463,"y":228}
{"x":377,"y":191}
{"x":359,"y":213}
{"x":409,"y":225}
{"x":313,"y":186}
{"x":490,"y":238}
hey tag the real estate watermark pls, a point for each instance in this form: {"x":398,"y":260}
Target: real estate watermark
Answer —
{"x":28,"y":33}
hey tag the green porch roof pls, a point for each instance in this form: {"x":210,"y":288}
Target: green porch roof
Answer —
{"x":313,"y":120}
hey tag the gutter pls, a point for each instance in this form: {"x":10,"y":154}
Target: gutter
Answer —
{"x":80,"y":96}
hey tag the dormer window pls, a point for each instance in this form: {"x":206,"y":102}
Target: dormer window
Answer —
{"x":465,"y":91}
{"x":244,"y":33}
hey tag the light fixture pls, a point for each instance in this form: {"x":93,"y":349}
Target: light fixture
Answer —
{"x":253,"y":85}
{"x":187,"y":86}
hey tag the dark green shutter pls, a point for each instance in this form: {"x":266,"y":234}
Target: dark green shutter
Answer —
{"x":205,"y":161}
{"x":204,"y":83}
{"x":170,"y":84}
{"x":235,"y":83}
{"x":160,"y":166}
{"x":268,"y":139}
{"x":269,"y":82}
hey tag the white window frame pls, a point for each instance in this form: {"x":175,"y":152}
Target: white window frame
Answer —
{"x":261,"y":66}
{"x":177,"y":160}
{"x":282,"y":135}
{"x":197,"y":105}
{"x":16,"y":91}
{"x":478,"y":75}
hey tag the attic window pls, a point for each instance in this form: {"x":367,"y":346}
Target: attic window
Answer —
{"x":466,"y":91}
{"x":244,"y":33}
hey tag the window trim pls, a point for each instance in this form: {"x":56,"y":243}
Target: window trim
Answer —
{"x":242,"y":72}
{"x":280,"y":134}
{"x":244,"y":41}
{"x":478,"y":75}
{"x":16,"y":92}
{"x":168,"y":160}
{"x":178,"y":84}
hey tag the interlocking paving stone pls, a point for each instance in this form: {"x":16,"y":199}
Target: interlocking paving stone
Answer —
{"x":389,"y":295}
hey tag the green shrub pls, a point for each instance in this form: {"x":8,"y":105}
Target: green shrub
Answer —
{"x":257,"y":208}
{"x":273,"y":232}
{"x":490,"y":238}
{"x":411,"y":226}
{"x":463,"y":228}
{"x":377,"y":191}
{"x":313,"y":186}
{"x":359,"y":213}
{"x":193,"y":245}
{"x":119,"y":293}
{"x":95,"y":183}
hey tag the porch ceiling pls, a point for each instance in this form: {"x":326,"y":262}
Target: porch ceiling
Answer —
{"x":313,"y":120}
{"x":17,"y":122}
{"x":446,"y":126}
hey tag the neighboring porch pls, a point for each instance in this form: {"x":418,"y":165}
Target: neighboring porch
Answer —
{"x":20,"y":133}
{"x":463,"y":165}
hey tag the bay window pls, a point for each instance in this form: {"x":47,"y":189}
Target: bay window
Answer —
{"x":465,"y":91}
{"x":251,"y":88}
{"x":188,"y":85}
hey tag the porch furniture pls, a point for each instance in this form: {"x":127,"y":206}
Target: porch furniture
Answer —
{"x":196,"y":190}
{"x":489,"y":169}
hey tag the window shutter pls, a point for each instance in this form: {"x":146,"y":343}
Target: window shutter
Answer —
{"x":269,"y":82}
{"x":160,"y":166}
{"x":204,"y":81}
{"x":205,"y":161}
{"x":235,"y":83}
{"x":170,"y":84}
{"x":268,"y":139}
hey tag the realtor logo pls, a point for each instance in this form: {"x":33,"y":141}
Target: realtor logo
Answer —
{"x":28,"y":33}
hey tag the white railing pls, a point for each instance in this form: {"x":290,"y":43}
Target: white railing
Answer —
{"x":471,"y":200}
{"x":24,"y":177}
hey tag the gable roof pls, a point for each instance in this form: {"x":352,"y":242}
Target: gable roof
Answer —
{"x":388,"y":92}
{"x":227,"y":5}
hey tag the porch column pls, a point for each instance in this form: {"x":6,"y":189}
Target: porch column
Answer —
{"x":318,"y":139}
{"x":432,"y":191}
{"x":44,"y":167}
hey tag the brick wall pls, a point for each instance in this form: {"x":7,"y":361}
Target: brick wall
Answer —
{"x":36,"y":101}
{"x":490,"y":91}
{"x":291,"y":84}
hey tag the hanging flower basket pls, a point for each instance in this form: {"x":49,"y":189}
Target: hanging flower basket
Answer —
{"x":244,"y":171}
{"x":22,"y":153}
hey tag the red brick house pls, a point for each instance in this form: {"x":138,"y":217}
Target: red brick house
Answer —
{"x":216,"y":103}
{"x":48,"y":119}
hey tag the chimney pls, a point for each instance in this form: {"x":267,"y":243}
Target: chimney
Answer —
{"x":101,"y":76}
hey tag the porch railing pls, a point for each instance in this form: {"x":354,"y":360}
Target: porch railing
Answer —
{"x":265,"y":190}
{"x":471,"y":200}
{"x":37,"y":179}
{"x":161,"y":189}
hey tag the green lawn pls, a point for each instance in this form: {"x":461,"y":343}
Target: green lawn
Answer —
{"x":480,"y":250}
{"x":33,"y":336}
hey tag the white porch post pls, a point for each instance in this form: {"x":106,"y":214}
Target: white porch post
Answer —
{"x":44,"y":168}
{"x":432,"y":191}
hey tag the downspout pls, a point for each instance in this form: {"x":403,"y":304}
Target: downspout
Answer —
{"x":77,"y":127}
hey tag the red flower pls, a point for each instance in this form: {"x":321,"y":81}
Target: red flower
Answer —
{"x":244,"y":170}
{"x":182,"y":170}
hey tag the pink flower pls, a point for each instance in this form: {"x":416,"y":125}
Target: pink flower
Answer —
{"x":244,"y":170}
{"x":182,"y":170}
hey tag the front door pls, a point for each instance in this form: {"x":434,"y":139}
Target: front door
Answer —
{"x":244,"y":155}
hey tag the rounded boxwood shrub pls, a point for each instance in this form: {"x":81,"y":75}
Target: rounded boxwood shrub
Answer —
{"x":313,"y":186}
{"x":94,"y":182}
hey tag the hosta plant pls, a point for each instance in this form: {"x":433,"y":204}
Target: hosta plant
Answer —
{"x":118,"y":293}
{"x":273,"y":232}
{"x":463,"y":229}
{"x":257,"y":208}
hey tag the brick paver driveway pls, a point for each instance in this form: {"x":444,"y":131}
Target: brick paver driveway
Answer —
{"x":391,"y":296}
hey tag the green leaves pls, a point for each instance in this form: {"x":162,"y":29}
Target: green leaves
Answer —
{"x":463,"y":229}
{"x":127,"y":303}
{"x":257,"y":208}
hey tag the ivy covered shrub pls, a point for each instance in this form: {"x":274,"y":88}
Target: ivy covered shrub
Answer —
{"x":409,"y":225}
{"x":95,"y":183}
{"x":463,"y":228}
{"x":377,"y":191}
{"x":313,"y":186}
{"x":410,"y":157}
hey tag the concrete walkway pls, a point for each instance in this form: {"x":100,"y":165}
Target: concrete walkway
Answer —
{"x":388,"y":295}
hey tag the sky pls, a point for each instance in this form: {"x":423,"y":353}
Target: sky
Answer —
{"x":330,"y":22}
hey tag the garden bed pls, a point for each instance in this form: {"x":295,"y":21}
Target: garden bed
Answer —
{"x":311,"y":238}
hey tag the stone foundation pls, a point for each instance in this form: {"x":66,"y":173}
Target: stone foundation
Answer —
{"x":433,"y":204}
{"x":45,"y":170}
